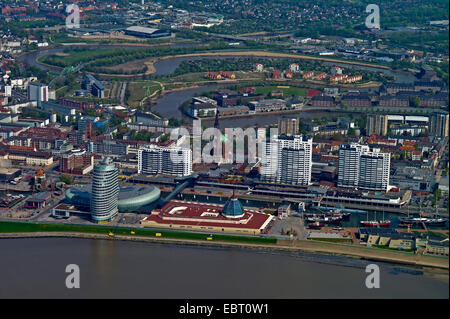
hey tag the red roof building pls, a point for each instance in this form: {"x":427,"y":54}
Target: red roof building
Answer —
{"x":312,"y":93}
{"x":276,"y":74}
{"x":208,"y":217}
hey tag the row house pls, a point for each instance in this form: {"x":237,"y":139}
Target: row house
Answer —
{"x":308,"y":75}
{"x":322,"y":101}
{"x":353,"y":78}
{"x":220,"y":75}
{"x":338,"y":78}
{"x":321,"y":76}
{"x":394,"y":88}
{"x":356,"y":100}
{"x":394,"y":101}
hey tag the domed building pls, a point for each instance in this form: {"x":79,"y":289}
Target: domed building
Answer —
{"x":131,"y":198}
{"x":233,"y":208}
{"x":208,"y":217}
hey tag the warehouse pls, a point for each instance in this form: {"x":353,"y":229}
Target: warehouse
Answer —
{"x":145,"y":32}
{"x":8,"y":174}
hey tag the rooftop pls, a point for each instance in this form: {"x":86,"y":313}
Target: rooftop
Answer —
{"x":206,"y":214}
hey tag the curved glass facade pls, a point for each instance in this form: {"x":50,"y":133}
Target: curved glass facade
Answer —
{"x":131,"y":198}
{"x":105,"y":191}
{"x":233,"y":208}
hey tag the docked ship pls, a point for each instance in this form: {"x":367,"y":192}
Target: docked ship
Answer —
{"x":437,"y":221}
{"x":332,"y":213}
{"x":375,"y":222}
{"x":324,"y":219}
{"x":424,"y":219}
{"x":316,"y":225}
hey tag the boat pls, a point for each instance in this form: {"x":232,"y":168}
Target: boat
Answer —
{"x":331,"y":212}
{"x":315,"y":225}
{"x":435,"y":220}
{"x":375,"y":222}
{"x":424,"y":220}
{"x":324,"y":219}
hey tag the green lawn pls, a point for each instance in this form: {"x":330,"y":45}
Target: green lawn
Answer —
{"x":22,"y":227}
{"x":138,"y":92}
{"x":333,"y":240}
{"x":286,"y":91}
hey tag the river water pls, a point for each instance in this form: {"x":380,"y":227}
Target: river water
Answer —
{"x":168,"y":105}
{"x":35,"y":268}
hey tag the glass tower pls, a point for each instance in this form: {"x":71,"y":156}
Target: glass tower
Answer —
{"x":105,"y":191}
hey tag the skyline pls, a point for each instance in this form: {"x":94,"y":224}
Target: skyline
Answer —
{"x":224,"y":144}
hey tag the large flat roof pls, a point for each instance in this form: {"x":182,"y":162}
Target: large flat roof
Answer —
{"x":206,"y":214}
{"x":141,"y":29}
{"x":4,"y":170}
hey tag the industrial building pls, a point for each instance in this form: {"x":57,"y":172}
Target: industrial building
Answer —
{"x":8,"y":174}
{"x":144,"y":32}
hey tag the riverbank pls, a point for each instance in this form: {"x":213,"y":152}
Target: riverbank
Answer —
{"x":149,"y":62}
{"x":273,"y":55}
{"x":432,"y":262}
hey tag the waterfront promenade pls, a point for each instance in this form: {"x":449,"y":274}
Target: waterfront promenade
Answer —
{"x":367,"y":253}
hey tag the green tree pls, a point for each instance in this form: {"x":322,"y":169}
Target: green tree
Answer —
{"x":67,"y":179}
{"x":416,"y":102}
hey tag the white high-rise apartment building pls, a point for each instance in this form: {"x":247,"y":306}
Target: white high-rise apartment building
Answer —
{"x":361,"y":168}
{"x":174,"y":160}
{"x":374,"y":170}
{"x":287,"y":160}
{"x":349,"y":158}
{"x":37,"y":92}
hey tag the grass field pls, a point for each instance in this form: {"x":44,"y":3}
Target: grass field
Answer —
{"x":333,"y":240}
{"x":286,"y":91}
{"x":24,"y":227}
{"x":138,"y":92}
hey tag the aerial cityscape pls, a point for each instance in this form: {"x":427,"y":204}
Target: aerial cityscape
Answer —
{"x":270,"y":142}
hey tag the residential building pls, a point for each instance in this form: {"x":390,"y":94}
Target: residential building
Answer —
{"x":288,"y":125}
{"x":349,"y":160}
{"x":93,"y":86}
{"x":267,"y":105}
{"x":76,"y":162}
{"x":360,"y":167}
{"x":374,"y":170}
{"x":376,"y":124}
{"x":37,"y":92}
{"x":288,"y":160}
{"x":174,"y":160}
{"x":438,"y":124}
